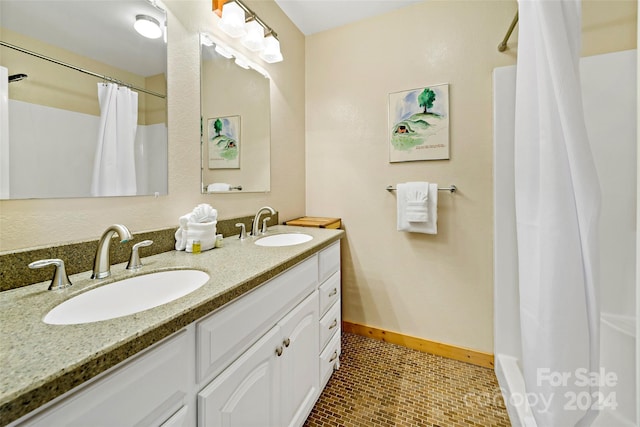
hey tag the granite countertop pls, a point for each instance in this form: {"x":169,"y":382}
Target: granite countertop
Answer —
{"x":41,"y":362}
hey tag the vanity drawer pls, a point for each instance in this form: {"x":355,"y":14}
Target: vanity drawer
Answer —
{"x":329,"y":261}
{"x":329,"y":324}
{"x":329,"y":360}
{"x":329,"y":292}
{"x":225,"y":334}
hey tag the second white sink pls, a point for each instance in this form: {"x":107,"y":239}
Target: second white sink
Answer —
{"x":126,"y":297}
{"x":286,"y":239}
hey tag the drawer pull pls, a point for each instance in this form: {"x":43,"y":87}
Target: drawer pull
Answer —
{"x":286,"y":342}
{"x":279,"y":351}
{"x":334,"y":324}
{"x":334,"y":357}
{"x":333,"y":292}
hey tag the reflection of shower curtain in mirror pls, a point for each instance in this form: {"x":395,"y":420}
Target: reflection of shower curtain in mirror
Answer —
{"x":114,"y":172}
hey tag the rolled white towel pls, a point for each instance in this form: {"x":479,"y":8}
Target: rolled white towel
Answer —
{"x":184,"y":220}
{"x":181,"y":239}
{"x":203,"y":213}
{"x":219,"y":186}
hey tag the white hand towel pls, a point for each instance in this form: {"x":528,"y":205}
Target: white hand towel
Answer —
{"x":416,"y":194}
{"x":429,"y":227}
{"x":219,"y":186}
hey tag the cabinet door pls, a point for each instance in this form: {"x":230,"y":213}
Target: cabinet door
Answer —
{"x":300,"y":376}
{"x":246,"y":393}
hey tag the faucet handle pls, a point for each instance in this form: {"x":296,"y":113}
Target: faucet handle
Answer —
{"x":264,"y":225}
{"x":243,"y":230}
{"x":134,"y":260}
{"x":60,"y":279}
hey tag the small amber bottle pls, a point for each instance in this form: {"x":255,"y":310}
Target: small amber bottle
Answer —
{"x":195,"y":247}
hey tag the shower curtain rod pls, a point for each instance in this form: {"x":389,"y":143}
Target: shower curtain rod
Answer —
{"x":503,"y":44}
{"x":73,"y":67}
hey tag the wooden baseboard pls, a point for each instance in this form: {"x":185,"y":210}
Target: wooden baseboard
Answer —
{"x":445,"y":350}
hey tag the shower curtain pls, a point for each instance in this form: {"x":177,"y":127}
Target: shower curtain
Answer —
{"x":4,"y":134}
{"x":114,"y":172}
{"x":557,"y":208}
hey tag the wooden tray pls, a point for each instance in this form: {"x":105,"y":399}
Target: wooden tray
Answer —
{"x":313,"y":221}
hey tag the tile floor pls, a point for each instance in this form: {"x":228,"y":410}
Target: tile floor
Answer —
{"x":382,"y":384}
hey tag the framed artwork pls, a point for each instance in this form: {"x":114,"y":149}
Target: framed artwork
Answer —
{"x":223,"y":136}
{"x":419,"y":124}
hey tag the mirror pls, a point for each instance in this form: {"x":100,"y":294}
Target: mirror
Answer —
{"x":57,"y":138}
{"x":235,"y":121}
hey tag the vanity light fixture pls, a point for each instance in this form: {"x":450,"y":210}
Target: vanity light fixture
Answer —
{"x":271,"y":52}
{"x":233,"y":19}
{"x":224,"y":52}
{"x":242,"y":63}
{"x":148,"y":26}
{"x":228,"y":52}
{"x":254,"y":39}
{"x":237,"y":20}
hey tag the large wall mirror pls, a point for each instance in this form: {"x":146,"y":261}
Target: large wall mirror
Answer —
{"x":83,"y":108}
{"x":236,"y":121}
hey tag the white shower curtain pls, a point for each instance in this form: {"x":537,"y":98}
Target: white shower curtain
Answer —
{"x":114,"y":172}
{"x":557,"y":208}
{"x":4,"y":134}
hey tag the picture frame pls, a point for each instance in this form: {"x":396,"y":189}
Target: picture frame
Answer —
{"x":419,"y":124}
{"x":223,"y":139}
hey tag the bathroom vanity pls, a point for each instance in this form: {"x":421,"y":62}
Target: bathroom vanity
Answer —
{"x":254,"y":346}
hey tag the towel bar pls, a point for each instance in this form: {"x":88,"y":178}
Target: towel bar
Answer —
{"x":452,"y":188}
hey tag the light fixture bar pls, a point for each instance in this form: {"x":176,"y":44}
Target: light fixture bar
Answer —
{"x":217,"y":8}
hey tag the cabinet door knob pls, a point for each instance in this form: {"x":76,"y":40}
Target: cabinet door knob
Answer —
{"x":333,"y":292}
{"x":279,"y":351}
{"x":334,"y":324}
{"x":334,"y":357}
{"x":286,"y":342}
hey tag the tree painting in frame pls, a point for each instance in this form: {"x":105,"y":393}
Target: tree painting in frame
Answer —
{"x":223,"y":135}
{"x":419,"y":124}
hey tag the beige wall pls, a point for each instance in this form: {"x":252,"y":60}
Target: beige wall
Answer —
{"x":29,"y":223}
{"x":434,"y":287}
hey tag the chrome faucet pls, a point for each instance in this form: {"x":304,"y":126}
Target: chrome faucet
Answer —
{"x":255,"y":225}
{"x":102,"y":263}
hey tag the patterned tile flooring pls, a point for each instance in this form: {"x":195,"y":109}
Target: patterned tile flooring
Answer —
{"x":382,"y":384}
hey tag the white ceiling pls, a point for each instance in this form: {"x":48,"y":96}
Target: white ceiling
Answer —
{"x":314,"y":16}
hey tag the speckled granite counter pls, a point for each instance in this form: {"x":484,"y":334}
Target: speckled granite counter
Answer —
{"x":40,"y":362}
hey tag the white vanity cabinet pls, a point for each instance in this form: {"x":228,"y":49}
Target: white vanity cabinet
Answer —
{"x":277,"y":380}
{"x":274,"y":382}
{"x":261,"y":360}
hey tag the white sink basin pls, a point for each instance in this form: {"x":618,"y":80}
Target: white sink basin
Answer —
{"x":126,"y":297}
{"x":287,"y":239}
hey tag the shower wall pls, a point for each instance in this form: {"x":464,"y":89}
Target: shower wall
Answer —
{"x":51,"y":149}
{"x":609,"y":95}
